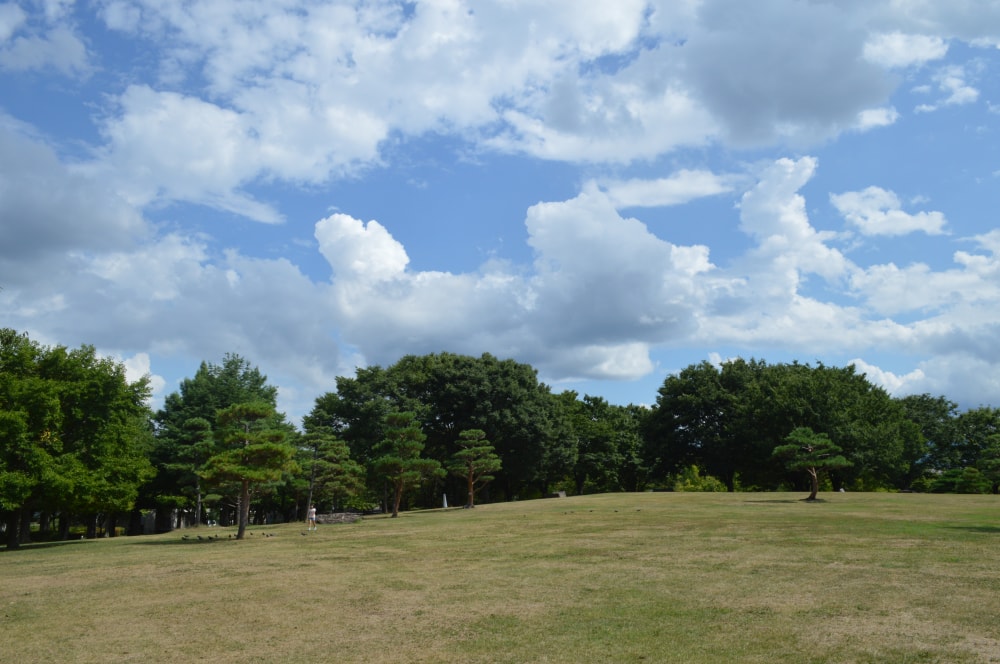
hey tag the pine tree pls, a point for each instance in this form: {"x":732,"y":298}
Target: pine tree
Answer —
{"x":811,"y":452}
{"x":253,"y":451}
{"x":475,"y":461}
{"x":401,"y":464}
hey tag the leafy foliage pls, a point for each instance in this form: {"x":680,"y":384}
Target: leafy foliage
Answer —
{"x":334,"y":477}
{"x":811,"y":452}
{"x":251,"y":450}
{"x":184,"y":443}
{"x":691,"y":479}
{"x":400,"y":463}
{"x":75,"y":432}
{"x":474,"y":461}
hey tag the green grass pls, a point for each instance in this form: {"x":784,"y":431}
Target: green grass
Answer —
{"x":612,"y":578}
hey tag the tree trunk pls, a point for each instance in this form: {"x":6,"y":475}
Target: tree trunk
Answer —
{"x":64,"y":519}
{"x":244,"y":509}
{"x":397,"y":499}
{"x":472,"y":491}
{"x":25,"y":534}
{"x":12,"y":519}
{"x":135,"y":522}
{"x":312,"y":481}
{"x":197,"y":504}
{"x":814,"y":479}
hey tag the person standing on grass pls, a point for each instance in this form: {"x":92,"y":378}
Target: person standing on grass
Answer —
{"x":311,"y":517}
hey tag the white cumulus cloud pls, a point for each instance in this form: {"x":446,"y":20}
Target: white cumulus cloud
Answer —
{"x":897,"y":49}
{"x":875,"y":211}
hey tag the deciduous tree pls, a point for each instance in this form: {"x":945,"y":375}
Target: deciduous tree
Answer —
{"x":76,"y":434}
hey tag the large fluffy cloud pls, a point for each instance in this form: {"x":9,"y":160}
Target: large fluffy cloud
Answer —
{"x":602,"y":289}
{"x":875,"y":211}
{"x":232,"y":101}
{"x":303,"y":93}
{"x":48,"y":209}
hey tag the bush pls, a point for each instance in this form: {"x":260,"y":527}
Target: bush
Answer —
{"x":690,"y":479}
{"x":961,"y":480}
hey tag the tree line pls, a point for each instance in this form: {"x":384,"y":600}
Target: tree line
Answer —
{"x":80,"y":447}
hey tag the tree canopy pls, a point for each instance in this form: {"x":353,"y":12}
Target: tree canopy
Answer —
{"x":75,"y":432}
{"x":728,"y":419}
{"x":474,"y":461}
{"x":79,"y":443}
{"x":251,"y":450}
{"x":811,"y":452}
{"x":400,"y":461}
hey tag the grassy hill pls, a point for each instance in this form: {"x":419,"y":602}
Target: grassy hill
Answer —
{"x":664,"y":577}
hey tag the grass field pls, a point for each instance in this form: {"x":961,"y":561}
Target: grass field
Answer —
{"x":664,"y":577}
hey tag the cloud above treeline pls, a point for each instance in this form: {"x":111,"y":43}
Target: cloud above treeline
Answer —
{"x":232,"y":98}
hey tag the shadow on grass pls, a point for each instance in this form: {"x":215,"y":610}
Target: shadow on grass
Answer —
{"x":787,"y":501}
{"x":182,"y":541}
{"x":35,"y":546}
{"x":989,"y":530}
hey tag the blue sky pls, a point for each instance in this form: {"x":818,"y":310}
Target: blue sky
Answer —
{"x":607,"y":191}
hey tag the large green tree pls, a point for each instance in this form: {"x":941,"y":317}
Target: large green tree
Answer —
{"x":712,"y":417}
{"x":334,"y":477}
{"x":400,"y":461}
{"x":936,"y":419}
{"x":252,"y":449}
{"x":449,"y":393}
{"x":30,"y":422}
{"x":727,"y":419}
{"x":475,"y":462}
{"x":183,"y":444}
{"x":608,"y":443}
{"x":76,"y":435}
{"x":812,"y":452}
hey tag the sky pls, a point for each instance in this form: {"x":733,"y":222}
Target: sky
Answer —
{"x":608,"y":191}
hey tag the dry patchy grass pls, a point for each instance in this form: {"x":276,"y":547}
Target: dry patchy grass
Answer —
{"x":610,"y":578}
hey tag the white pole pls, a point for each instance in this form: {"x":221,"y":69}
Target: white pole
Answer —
{"x":445,"y":500}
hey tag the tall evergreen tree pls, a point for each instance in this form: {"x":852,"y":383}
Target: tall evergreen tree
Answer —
{"x":334,"y":476}
{"x":251,"y":450}
{"x":178,"y":452}
{"x":475,"y":461}
{"x":400,"y":462}
{"x":812,"y":452}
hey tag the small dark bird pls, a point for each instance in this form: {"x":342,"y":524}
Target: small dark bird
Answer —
{"x":200,"y":537}
{"x":186,"y":537}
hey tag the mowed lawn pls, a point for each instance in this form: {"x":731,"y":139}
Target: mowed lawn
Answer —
{"x":650,"y":577}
